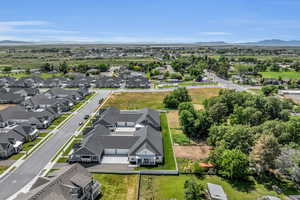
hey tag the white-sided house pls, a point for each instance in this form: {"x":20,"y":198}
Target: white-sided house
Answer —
{"x":125,"y":134}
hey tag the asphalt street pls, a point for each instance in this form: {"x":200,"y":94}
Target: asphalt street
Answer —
{"x":35,"y":163}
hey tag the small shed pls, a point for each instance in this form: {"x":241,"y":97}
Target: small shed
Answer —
{"x":216,"y":192}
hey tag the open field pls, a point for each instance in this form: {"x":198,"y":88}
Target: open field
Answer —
{"x":42,"y":75}
{"x":122,"y":187}
{"x":283,"y":75}
{"x":35,"y":60}
{"x":172,"y":187}
{"x":132,"y":100}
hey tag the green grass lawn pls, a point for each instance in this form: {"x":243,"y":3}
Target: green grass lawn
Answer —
{"x":3,"y":168}
{"x":43,"y":134}
{"x":154,"y":100}
{"x":28,"y":145}
{"x":42,"y":75}
{"x":169,"y":160}
{"x":284,"y":75}
{"x":172,"y":187}
{"x":67,"y":151}
{"x":58,"y":120}
{"x":116,"y":186}
{"x":16,"y":156}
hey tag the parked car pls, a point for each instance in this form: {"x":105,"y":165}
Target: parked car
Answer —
{"x":86,"y":116}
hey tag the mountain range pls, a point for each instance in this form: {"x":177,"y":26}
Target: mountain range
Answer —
{"x":272,"y":42}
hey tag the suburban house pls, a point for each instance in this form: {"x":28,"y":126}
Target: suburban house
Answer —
{"x":69,"y":183}
{"x":9,"y":146}
{"x":12,"y":137}
{"x":133,"y":135}
{"x":18,"y":115}
{"x":108,"y":82}
{"x":73,"y":95}
{"x":10,"y":98}
{"x":43,"y":101}
{"x":6,"y":81}
{"x":24,"y":92}
{"x":137,"y":82}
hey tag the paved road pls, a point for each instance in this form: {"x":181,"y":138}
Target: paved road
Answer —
{"x":229,"y":84}
{"x":32,"y":167}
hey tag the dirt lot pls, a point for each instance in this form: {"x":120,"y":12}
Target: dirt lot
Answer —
{"x":3,"y":106}
{"x":192,"y":152}
{"x":173,"y":119}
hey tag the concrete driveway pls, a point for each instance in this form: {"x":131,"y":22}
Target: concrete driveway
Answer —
{"x":114,"y":159}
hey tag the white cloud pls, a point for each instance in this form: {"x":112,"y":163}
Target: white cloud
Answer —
{"x":16,"y":27}
{"x":23,"y":23}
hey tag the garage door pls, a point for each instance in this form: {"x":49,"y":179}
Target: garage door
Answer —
{"x":122,"y":151}
{"x":110,"y":151}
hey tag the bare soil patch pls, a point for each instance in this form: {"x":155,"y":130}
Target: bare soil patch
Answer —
{"x":173,"y":119}
{"x":192,"y":152}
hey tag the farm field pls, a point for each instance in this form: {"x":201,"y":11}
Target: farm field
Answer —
{"x":283,"y":75}
{"x":159,"y":187}
{"x":116,"y":186}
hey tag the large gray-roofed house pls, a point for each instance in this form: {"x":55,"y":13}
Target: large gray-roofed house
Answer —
{"x":73,"y":95}
{"x":69,"y":183}
{"x":10,"y":98}
{"x":135,"y":134}
{"x":18,"y":115}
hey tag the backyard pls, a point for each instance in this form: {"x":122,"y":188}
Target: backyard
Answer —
{"x":159,"y":187}
{"x":115,"y":186}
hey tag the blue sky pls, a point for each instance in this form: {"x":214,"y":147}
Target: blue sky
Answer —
{"x":149,"y":20}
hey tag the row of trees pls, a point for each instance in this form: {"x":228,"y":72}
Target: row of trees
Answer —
{"x":246,"y":130}
{"x":194,"y":66}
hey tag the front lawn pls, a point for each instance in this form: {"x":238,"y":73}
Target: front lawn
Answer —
{"x":28,"y":145}
{"x":16,"y":156}
{"x":172,"y":187}
{"x":59,"y":120}
{"x":3,"y":168}
{"x":115,"y":186}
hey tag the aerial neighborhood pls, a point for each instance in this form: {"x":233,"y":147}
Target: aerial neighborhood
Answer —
{"x":181,"y":124}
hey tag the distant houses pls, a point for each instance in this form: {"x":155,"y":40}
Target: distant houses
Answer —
{"x":19,"y":123}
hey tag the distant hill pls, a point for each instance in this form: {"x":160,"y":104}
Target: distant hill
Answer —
{"x":13,"y":42}
{"x":217,"y":43}
{"x":274,"y":42}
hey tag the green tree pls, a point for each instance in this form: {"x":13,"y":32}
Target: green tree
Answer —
{"x":176,"y":97}
{"x":193,"y":190}
{"x":7,"y":69}
{"x":233,"y":164}
{"x":265,"y":151}
{"x":187,"y":122}
{"x":269,"y":90}
{"x":63,"y":67}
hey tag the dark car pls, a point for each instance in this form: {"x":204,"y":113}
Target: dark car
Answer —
{"x":86,"y":116}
